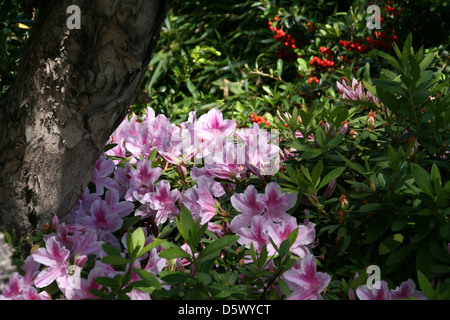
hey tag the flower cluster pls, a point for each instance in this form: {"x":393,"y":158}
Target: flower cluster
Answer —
{"x":355,"y":91}
{"x":72,"y":254}
{"x":406,"y":290}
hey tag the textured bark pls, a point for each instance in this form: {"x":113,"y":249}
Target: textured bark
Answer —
{"x":73,"y":88}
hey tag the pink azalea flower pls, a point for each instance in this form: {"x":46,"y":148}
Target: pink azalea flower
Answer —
{"x":118,"y":151}
{"x":152,"y":135}
{"x":212,"y":125}
{"x":101,"y":218}
{"x":364,"y":293}
{"x":17,"y":289}
{"x":256,"y":234}
{"x":249,"y":203}
{"x":163,"y":201}
{"x":179,"y":147}
{"x":304,"y":281}
{"x":141,"y":180}
{"x":54,"y":256}
{"x":355,"y":91}
{"x":261,"y":154}
{"x":404,"y":291}
{"x":86,"y":285}
{"x":407,"y":289}
{"x":120,"y":208}
{"x":279,"y":232}
{"x":218,"y":189}
{"x":101,"y":175}
{"x":82,"y":207}
{"x":84,"y":243}
{"x":200,"y":201}
{"x":277,"y":203}
{"x":122,"y":176}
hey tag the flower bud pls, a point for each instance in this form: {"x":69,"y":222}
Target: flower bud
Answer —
{"x":415,"y":148}
{"x":181,"y":170}
{"x":81,"y":260}
{"x":343,"y":201}
{"x":370,"y":120}
{"x":344,"y":128}
{"x":341,"y":216}
{"x":330,"y":189}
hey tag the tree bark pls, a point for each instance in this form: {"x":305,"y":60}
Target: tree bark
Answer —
{"x":73,"y":88}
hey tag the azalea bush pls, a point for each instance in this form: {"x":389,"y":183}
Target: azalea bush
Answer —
{"x":275,"y":151}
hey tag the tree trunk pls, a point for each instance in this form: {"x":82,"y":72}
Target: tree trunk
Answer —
{"x":73,"y":88}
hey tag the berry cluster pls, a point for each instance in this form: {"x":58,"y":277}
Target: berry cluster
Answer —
{"x":391,"y":10}
{"x":282,"y":36}
{"x":311,"y":79}
{"x":379,"y":40}
{"x":311,"y":27}
{"x":322,"y":64}
{"x":259,"y":119}
{"x":382,"y":40}
{"x":354,"y":46}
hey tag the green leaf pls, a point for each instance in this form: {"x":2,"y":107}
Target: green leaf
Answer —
{"x":427,"y":61}
{"x":311,"y":153}
{"x":152,"y":245}
{"x":399,"y":255}
{"x":130,"y":221}
{"x":371,"y":207}
{"x":279,"y":67}
{"x":390,"y":59}
{"x":390,"y":243}
{"x":173,"y":253}
{"x":185,"y":222}
{"x":425,"y":286}
{"x":108,"y":282}
{"x":422,"y":178}
{"x":215,"y":247}
{"x":115,"y":260}
{"x":284,"y":247}
{"x":316,"y":172}
{"x":153,"y":155}
{"x":110,"y":250}
{"x":355,"y":166}
{"x":148,"y":278}
{"x":203,"y":277}
{"x":320,"y":136}
{"x":398,"y":225}
{"x":436,"y":178}
{"x":262,"y":257}
{"x":136,"y":242}
{"x":375,"y":232}
{"x":284,"y":287}
{"x":292,"y":237}
{"x":333,"y":174}
{"x":173,"y":276}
